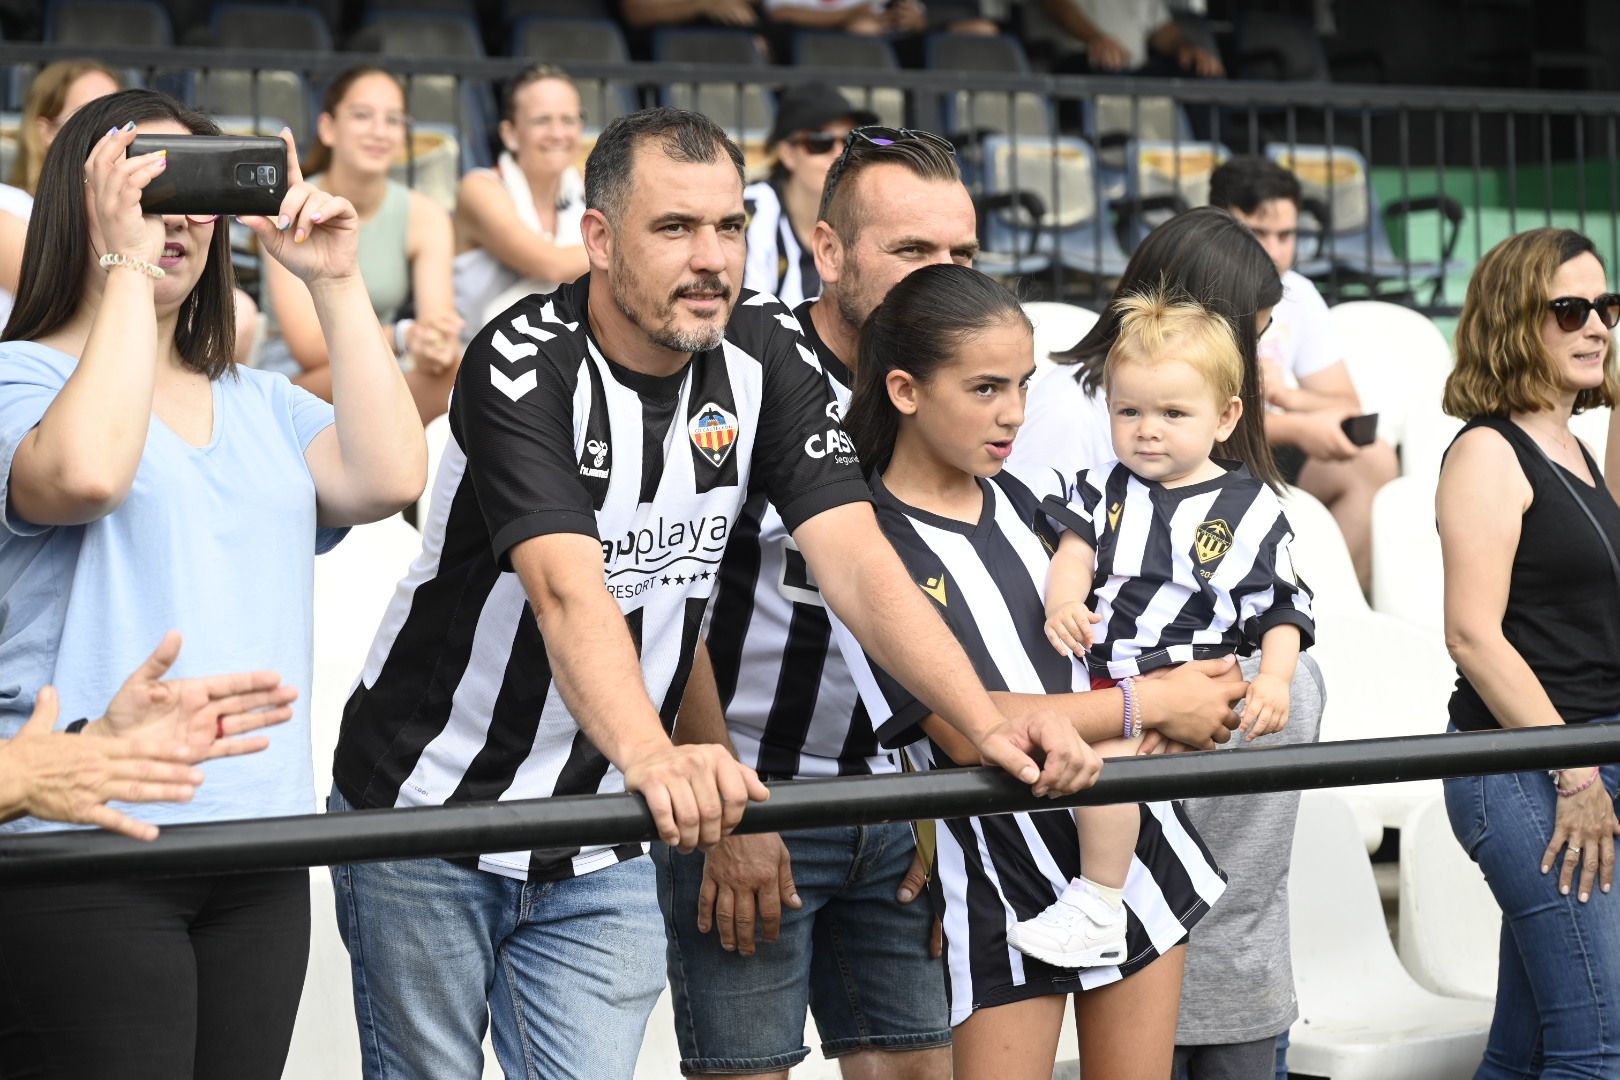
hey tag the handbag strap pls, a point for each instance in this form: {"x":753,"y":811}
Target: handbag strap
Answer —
{"x":1603,"y":536}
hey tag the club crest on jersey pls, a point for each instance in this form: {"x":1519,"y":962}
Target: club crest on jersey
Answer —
{"x":1211,"y":540}
{"x":713,"y":431}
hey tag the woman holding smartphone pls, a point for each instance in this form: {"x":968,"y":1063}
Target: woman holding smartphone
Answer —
{"x":150,"y":483}
{"x":406,"y":248}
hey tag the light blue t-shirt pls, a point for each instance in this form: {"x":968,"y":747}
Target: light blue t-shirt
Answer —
{"x":216,"y":541}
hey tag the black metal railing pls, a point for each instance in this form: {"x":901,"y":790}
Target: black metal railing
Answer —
{"x":1406,"y":185}
{"x":474,"y":828}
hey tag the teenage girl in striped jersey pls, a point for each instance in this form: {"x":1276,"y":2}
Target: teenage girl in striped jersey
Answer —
{"x":1187,"y":557}
{"x":939,"y":396}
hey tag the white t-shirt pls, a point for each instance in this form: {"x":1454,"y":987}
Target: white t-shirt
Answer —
{"x":1300,"y":338}
{"x":18,"y":203}
{"x":1064,"y":427}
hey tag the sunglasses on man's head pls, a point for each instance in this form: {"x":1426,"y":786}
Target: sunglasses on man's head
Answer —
{"x":1571,"y":312}
{"x":873,"y":135}
{"x":888,"y":136}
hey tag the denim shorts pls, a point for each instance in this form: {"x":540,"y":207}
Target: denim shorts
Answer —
{"x":853,"y":954}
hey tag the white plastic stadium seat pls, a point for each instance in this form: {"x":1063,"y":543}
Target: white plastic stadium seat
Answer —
{"x":1410,"y":582}
{"x":1352,"y":642}
{"x":1361,"y":1015}
{"x":1398,"y":361}
{"x":1450,"y":924}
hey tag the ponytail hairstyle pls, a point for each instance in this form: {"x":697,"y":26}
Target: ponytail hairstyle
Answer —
{"x":931,"y":314}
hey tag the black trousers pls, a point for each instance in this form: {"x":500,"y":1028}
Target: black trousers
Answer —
{"x":152,"y":980}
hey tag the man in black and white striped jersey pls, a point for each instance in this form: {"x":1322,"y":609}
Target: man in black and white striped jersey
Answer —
{"x":786,"y":699}
{"x":603,"y":435}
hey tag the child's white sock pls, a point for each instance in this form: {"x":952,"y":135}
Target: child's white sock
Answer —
{"x":1114,"y":897}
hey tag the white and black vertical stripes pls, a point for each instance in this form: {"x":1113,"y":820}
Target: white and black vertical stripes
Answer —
{"x":1183,"y":573}
{"x":790,"y":704}
{"x":987,"y":580}
{"x":456,"y":702}
{"x":777,"y":262}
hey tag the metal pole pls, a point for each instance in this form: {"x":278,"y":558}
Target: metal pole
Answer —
{"x":428,"y":832}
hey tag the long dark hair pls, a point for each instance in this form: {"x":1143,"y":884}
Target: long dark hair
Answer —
{"x":319,"y":156}
{"x":57,"y":252}
{"x":918,"y":327}
{"x":1213,"y":258}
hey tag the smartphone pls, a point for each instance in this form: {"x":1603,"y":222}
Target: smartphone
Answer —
{"x":1361,"y":430}
{"x":215,"y":174}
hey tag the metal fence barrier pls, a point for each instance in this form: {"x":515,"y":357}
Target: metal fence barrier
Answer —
{"x":1405,"y":186}
{"x":466,"y":830}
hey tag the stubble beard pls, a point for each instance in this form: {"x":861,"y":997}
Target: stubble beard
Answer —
{"x":625,"y":284}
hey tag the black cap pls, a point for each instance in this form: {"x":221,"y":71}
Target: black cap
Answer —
{"x":809,"y":106}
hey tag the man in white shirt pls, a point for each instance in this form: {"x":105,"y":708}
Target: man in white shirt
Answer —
{"x":1307,"y":384}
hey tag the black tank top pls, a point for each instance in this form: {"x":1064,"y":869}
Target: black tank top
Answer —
{"x":1563,"y":607}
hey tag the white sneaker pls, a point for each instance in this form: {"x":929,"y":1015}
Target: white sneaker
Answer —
{"x":1079,"y":930}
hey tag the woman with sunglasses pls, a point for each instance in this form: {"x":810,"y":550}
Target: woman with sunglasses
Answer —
{"x":407,"y":245}
{"x":812,"y":122}
{"x":152,"y":484}
{"x":1528,"y":530}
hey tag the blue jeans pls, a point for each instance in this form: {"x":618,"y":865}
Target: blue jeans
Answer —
{"x":1558,"y":984}
{"x":1179,"y":1071}
{"x":855,"y":955}
{"x":568,"y":971}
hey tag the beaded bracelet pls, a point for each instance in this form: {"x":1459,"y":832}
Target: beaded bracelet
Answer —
{"x":115,"y":258}
{"x":1564,"y":792}
{"x":1133,"y":725}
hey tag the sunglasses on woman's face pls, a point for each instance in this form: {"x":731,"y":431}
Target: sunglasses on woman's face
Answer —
{"x":1572,"y":311}
{"x":818,"y":142}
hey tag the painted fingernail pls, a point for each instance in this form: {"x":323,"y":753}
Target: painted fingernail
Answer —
{"x":111,"y":131}
{"x":283,"y":223}
{"x":1585,"y":896}
{"x":1545,"y":868}
{"x":130,"y":126}
{"x":298,"y":237}
{"x":907,"y":896}
{"x":314,"y":217}
{"x":1564,"y":891}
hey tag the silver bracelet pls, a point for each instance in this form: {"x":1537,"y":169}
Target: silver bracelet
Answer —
{"x":116,"y":258}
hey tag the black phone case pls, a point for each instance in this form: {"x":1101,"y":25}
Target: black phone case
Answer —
{"x":1361,"y":430}
{"x":205,"y":174}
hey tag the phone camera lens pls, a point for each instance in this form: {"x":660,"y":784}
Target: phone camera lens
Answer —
{"x":267,"y":175}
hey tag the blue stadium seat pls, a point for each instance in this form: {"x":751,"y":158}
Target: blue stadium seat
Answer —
{"x":1355,"y":232}
{"x":1163,"y":177}
{"x":514,"y":10}
{"x":1040,"y":196}
{"x":417,"y":33}
{"x":745,"y":111}
{"x":546,"y":40}
{"x":822,"y":49}
{"x":270,"y":26}
{"x":93,"y":23}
